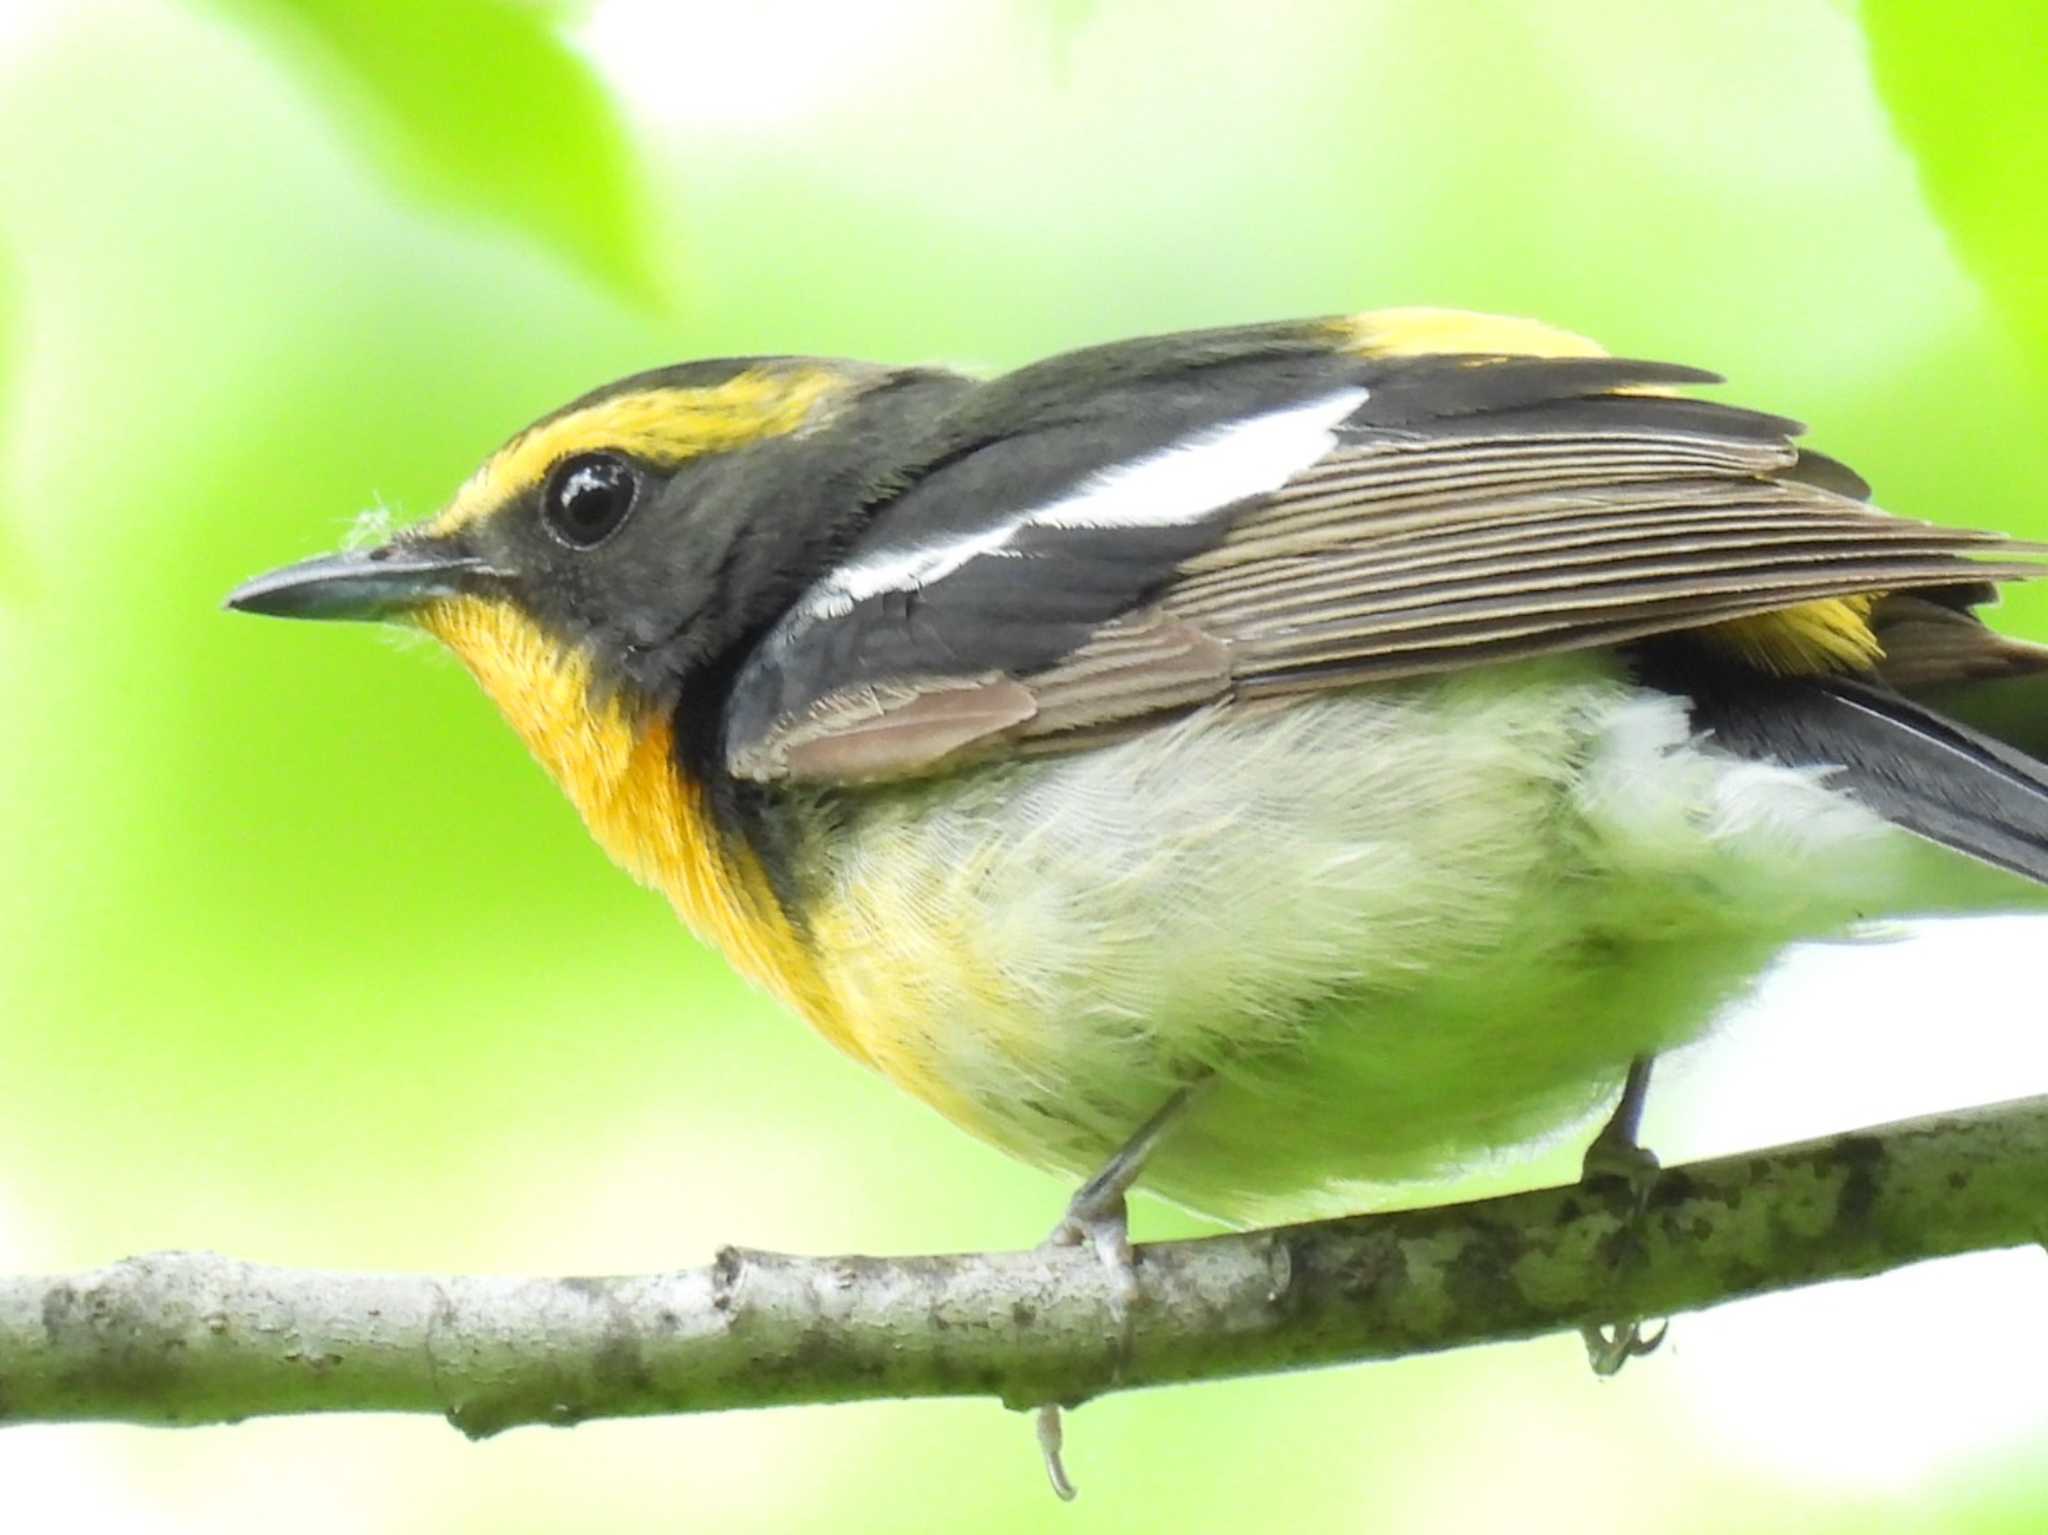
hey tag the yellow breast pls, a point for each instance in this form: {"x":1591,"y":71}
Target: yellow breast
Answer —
{"x":618,"y":768}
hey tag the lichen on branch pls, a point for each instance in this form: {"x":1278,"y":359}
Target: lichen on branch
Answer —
{"x":192,"y":1338}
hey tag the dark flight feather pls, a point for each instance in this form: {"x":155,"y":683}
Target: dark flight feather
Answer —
{"x":1929,"y":774}
{"x":1466,"y":510}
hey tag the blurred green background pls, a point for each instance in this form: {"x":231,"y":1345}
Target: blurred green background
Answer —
{"x":302,"y":960}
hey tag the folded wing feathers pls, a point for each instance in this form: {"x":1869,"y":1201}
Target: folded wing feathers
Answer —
{"x":1591,"y":523}
{"x":1472,"y":510}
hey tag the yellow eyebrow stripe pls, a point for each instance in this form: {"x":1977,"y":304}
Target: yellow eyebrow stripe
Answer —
{"x":664,"y":427}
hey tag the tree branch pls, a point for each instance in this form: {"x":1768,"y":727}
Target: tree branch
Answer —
{"x":183,"y":1338}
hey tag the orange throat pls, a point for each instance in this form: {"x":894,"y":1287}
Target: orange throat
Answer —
{"x":618,"y":768}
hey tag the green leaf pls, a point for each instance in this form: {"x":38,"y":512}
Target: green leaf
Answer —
{"x":479,"y":107}
{"x":1967,"y":87}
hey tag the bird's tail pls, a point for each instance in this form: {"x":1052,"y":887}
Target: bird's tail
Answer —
{"x":1950,"y":740}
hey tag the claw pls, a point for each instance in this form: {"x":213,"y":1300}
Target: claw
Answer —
{"x":1609,"y":1348}
{"x":1050,"y":1438}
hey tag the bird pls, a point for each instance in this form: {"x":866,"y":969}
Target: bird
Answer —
{"x":1276,"y":766}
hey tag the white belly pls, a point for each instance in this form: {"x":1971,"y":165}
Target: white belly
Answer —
{"x":1403,"y":927}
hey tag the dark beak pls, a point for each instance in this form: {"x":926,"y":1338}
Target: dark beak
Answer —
{"x":385,"y":582}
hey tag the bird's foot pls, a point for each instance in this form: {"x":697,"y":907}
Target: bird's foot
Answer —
{"x":1609,"y":1346}
{"x":1099,"y":1216}
{"x":1619,"y":1157}
{"x":1616,"y":1155}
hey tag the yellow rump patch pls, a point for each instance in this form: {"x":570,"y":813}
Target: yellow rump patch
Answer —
{"x":665,"y":427}
{"x":1433,"y":332}
{"x":619,"y":770}
{"x":1831,"y":635}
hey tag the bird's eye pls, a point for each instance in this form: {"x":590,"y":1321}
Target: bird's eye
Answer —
{"x":587,"y":498}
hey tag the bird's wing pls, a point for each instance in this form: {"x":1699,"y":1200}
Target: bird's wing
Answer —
{"x":1112,"y":537}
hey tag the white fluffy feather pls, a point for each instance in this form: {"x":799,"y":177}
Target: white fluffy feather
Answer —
{"x":1405,"y":927}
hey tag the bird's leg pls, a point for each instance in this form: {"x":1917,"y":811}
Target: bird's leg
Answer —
{"x":1616,"y":1153}
{"x":1099,"y":1216}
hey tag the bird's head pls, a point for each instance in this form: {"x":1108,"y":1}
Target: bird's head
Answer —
{"x":606,"y":568}
{"x":625,"y":546}
{"x":608,"y":528}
